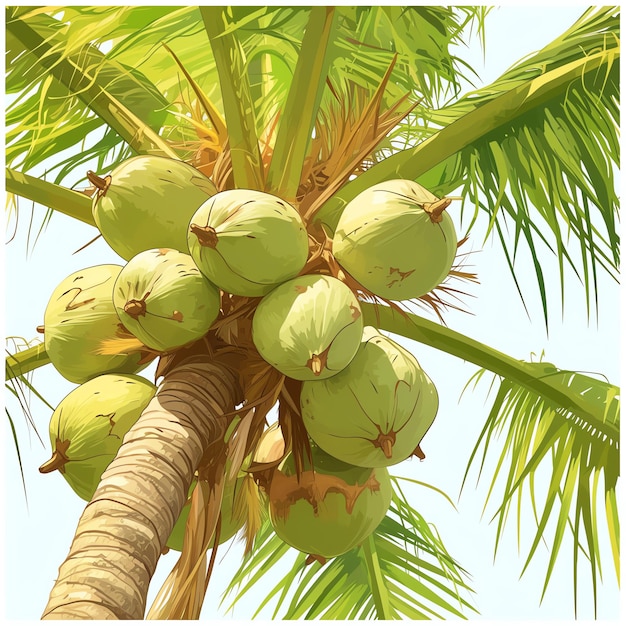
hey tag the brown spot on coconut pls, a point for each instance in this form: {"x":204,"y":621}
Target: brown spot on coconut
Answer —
{"x":331,"y":507}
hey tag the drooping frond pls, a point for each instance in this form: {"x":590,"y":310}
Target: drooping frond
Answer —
{"x":65,"y":90}
{"x":553,"y":389}
{"x":422,"y":37}
{"x":402,"y":571}
{"x":581,"y":458}
{"x":117,"y":53}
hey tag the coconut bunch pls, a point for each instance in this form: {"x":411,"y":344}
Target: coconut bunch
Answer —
{"x":211,"y":268}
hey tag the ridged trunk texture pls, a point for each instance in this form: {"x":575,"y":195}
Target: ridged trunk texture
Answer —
{"x":124,"y":528}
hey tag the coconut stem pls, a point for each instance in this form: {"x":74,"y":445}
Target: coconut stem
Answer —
{"x":311,"y":558}
{"x":435,"y":209}
{"x":135,"y":308}
{"x":101,"y":184}
{"x":418,"y":452}
{"x":40,"y":329}
{"x":385,"y":443}
{"x":57,"y":461}
{"x":206,"y":235}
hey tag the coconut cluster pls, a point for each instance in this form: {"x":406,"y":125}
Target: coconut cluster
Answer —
{"x":364,"y":400}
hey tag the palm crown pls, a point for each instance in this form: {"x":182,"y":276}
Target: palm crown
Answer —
{"x":249,"y":100}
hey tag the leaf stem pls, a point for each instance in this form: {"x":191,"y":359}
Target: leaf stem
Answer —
{"x":25,"y":361}
{"x":305,"y":92}
{"x":71,"y":72}
{"x":236,"y":98}
{"x":61,"y":199}
{"x":454,"y":343}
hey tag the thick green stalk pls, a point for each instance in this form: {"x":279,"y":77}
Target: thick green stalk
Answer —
{"x":414,"y":162}
{"x":79,"y":80}
{"x":25,"y":361}
{"x":432,"y":334}
{"x":305,"y":92}
{"x":377,"y":583}
{"x":61,"y":199}
{"x":236,"y":98}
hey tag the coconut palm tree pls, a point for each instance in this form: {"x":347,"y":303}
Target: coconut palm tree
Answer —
{"x":315,"y":105}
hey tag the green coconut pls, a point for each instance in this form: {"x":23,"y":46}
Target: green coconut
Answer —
{"x":248,"y":242}
{"x":147,"y":202}
{"x":375,"y":412}
{"x":89,"y":424}
{"x":163,"y":299}
{"x":79,"y":316}
{"x":332,"y":508}
{"x":309,"y":327}
{"x":396,"y":239}
{"x":232,"y":519}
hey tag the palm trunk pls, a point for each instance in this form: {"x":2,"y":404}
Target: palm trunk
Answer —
{"x":124,"y":528}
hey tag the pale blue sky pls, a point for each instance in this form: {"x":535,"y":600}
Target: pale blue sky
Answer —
{"x":38,"y":535}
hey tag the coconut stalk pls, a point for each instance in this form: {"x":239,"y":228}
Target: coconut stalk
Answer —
{"x":124,"y":528}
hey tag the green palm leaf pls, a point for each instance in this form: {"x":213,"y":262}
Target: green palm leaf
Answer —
{"x":572,"y":399}
{"x":537,"y":431}
{"x":120,"y":96}
{"x":21,"y":389}
{"x":536,"y":150}
{"x":402,"y":571}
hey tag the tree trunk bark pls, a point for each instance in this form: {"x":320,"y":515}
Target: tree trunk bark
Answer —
{"x":124,"y":528}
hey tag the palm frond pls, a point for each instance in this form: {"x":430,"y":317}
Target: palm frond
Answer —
{"x":119,"y":96}
{"x":21,"y":389}
{"x":537,"y":151}
{"x":540,"y":434}
{"x":25,"y":360}
{"x":422,"y":37}
{"x":402,"y":571}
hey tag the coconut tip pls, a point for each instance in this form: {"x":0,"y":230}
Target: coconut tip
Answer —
{"x":435,"y":209}
{"x":206,"y":235}
{"x":135,"y":308}
{"x":316,"y":364}
{"x":56,"y":462}
{"x":101,"y":184}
